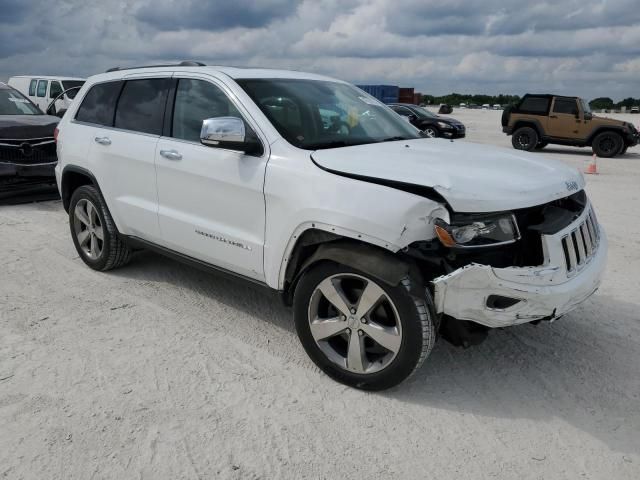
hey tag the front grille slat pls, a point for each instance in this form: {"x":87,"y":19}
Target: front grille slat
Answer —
{"x":581,"y":243}
{"x":28,"y":152}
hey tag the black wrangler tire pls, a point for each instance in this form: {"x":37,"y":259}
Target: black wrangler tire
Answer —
{"x":525,"y":138}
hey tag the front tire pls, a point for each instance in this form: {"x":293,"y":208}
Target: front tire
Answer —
{"x":359,"y":330}
{"x":607,"y":144}
{"x":431,"y":132}
{"x":93,"y":231}
{"x":525,"y":138}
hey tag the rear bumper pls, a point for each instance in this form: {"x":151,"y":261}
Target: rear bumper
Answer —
{"x":539,"y":292}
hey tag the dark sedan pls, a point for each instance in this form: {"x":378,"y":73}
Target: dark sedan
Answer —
{"x":430,"y":123}
{"x":27,"y":148}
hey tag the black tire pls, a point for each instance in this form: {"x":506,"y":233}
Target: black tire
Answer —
{"x":431,"y":131}
{"x":541,"y":145}
{"x":416,"y":315}
{"x":525,"y":138}
{"x":607,"y":144}
{"x":623,"y":149}
{"x":114,"y":252}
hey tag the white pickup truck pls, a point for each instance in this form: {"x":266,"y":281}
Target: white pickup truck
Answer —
{"x":379,"y":238}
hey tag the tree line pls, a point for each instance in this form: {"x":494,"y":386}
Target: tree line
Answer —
{"x":600,"y":103}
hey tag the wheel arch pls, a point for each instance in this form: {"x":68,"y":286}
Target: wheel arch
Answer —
{"x":315,"y":245}
{"x":602,"y":129}
{"x":72,"y":178}
{"x":529,"y":123}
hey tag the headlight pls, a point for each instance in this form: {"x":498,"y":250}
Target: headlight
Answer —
{"x":444,"y":125}
{"x":474,"y":231}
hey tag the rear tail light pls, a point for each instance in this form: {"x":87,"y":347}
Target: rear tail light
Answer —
{"x":55,"y":134}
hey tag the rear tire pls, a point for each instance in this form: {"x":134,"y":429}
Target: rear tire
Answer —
{"x":525,"y":138}
{"x":89,"y":219}
{"x":607,"y":144}
{"x":404,"y":325}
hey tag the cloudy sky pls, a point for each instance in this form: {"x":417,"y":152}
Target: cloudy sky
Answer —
{"x":585,"y":47}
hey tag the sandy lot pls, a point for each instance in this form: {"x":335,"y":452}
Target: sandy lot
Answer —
{"x":160,"y":371}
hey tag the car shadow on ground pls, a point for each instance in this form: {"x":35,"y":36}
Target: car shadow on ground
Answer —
{"x":567,"y":369}
{"x":528,"y":371}
{"x":632,"y":153}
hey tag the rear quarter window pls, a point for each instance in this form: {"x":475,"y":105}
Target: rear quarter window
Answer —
{"x":535,"y":105}
{"x":99,"y":104}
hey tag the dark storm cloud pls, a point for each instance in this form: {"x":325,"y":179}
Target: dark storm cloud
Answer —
{"x":12,"y":11}
{"x":496,"y":17}
{"x":585,"y":47}
{"x":214,"y":15}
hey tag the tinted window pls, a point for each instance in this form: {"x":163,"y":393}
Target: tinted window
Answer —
{"x":99,"y":104}
{"x":55,"y":90}
{"x":197,"y":100}
{"x":538,"y":105}
{"x":67,"y":84}
{"x":32,"y":87}
{"x":141,"y":105}
{"x":402,"y":111}
{"x":42,"y":88}
{"x":565,"y":105}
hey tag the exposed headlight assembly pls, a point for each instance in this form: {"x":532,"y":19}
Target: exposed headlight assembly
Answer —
{"x":477,"y":231}
{"x":446,"y":126}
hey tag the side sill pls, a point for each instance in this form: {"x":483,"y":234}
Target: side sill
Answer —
{"x":135,"y":242}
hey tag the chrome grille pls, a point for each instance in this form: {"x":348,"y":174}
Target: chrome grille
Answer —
{"x":581,"y":243}
{"x":29,"y":151}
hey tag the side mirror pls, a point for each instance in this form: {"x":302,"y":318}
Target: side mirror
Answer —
{"x":221,"y":130}
{"x":412,"y":118}
{"x":588,"y":116}
{"x":230,"y":133}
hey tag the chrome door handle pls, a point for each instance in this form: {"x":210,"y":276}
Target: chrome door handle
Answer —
{"x":103,"y":140}
{"x":171,"y":154}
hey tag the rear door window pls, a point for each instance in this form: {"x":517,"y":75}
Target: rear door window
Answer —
{"x":565,"y":105}
{"x":42,"y":88}
{"x":535,"y":105}
{"x":32,"y":87}
{"x":141,"y":105}
{"x":99,"y":104}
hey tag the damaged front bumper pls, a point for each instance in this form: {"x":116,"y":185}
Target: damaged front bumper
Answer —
{"x":527,"y":293}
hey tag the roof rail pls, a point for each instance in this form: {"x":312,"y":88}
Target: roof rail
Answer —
{"x":184,"y":63}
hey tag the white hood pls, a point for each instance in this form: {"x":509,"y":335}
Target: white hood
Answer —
{"x":471,"y":177}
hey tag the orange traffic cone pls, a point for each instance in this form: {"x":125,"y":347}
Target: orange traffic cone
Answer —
{"x":591,"y":166}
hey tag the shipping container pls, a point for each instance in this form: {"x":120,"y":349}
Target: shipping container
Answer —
{"x":384,"y":93}
{"x":417,"y":98}
{"x":405,"y":95}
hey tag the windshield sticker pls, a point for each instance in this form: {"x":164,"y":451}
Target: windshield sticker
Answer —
{"x":18,"y":100}
{"x":370,"y":101}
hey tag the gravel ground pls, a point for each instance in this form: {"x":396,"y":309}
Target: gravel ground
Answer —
{"x":160,"y":371}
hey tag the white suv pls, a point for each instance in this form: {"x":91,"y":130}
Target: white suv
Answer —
{"x":378,"y":237}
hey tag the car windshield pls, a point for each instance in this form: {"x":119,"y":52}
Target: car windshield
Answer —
{"x":424,"y":113}
{"x":67,"y":84}
{"x":585,"y":106}
{"x":314,"y":114}
{"x":13,"y":103}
